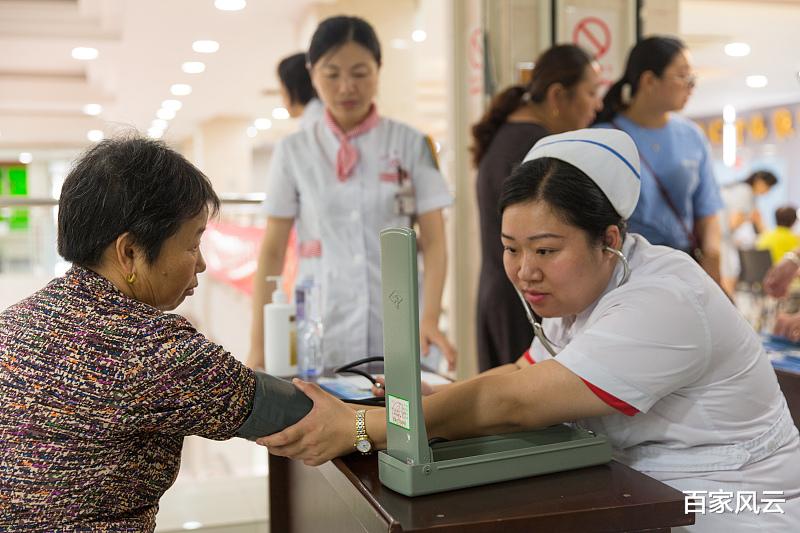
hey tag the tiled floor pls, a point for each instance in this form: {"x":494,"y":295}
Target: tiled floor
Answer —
{"x":221,"y":488}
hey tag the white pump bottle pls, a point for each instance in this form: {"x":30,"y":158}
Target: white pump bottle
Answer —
{"x":280,"y":356}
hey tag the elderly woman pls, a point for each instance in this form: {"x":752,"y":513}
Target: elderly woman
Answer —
{"x":98,"y":384}
{"x":639,"y":344}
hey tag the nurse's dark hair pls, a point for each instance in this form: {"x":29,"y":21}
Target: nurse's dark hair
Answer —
{"x":293,"y":74}
{"x":569,"y":192}
{"x":653,"y":54}
{"x":128,"y":184}
{"x":564,"y":63}
{"x":334,"y":32}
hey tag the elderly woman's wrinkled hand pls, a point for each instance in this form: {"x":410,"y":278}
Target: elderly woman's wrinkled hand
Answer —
{"x":326,"y":432}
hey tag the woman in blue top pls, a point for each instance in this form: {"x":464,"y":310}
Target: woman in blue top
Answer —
{"x":680,"y":199}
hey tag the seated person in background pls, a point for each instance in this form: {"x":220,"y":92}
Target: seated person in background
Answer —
{"x":98,"y":384}
{"x":780,"y":240}
{"x":641,"y":345}
{"x":298,"y":94}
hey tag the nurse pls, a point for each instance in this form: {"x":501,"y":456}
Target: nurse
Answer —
{"x":638,"y":343}
{"x":341,"y":181}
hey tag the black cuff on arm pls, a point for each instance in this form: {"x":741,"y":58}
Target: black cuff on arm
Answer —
{"x":277,"y":404}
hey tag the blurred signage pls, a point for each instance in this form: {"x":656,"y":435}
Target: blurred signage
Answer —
{"x":767,"y":125}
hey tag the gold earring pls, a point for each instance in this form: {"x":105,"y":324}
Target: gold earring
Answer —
{"x":131,"y":278}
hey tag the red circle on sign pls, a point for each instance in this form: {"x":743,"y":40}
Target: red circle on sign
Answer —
{"x":594,"y":31}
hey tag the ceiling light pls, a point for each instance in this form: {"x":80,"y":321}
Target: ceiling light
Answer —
{"x":159,"y":124}
{"x":280,"y":113}
{"x":192,"y":524}
{"x":230,"y":5}
{"x":252,"y":131}
{"x":205,"y":47}
{"x":172,"y":105}
{"x":93,"y":109}
{"x":193,"y":67}
{"x":180,"y":89}
{"x":262,"y":123}
{"x":418,"y":36}
{"x":95,"y":135}
{"x":25,"y":158}
{"x":165,"y":114}
{"x":84,"y":53}
{"x":155,"y":133}
{"x":737,"y":49}
{"x":756,"y":82}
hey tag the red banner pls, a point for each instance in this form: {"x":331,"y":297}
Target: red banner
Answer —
{"x":231,"y":254}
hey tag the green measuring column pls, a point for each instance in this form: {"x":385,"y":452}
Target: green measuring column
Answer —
{"x":410,"y":465}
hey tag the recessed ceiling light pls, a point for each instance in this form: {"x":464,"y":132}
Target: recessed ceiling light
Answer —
{"x":418,"y":36}
{"x":262,"y":123}
{"x":95,"y":135}
{"x":230,"y":5}
{"x":93,"y":109}
{"x":25,"y":158}
{"x":252,"y":131}
{"x":280,"y":113}
{"x":85,"y":53}
{"x":193,"y":67}
{"x":180,"y":89}
{"x":165,"y":114}
{"x":159,"y":124}
{"x":155,"y":133}
{"x":737,"y":49}
{"x":173,"y":105}
{"x":192,"y":524}
{"x":756,"y":81}
{"x":205,"y":46}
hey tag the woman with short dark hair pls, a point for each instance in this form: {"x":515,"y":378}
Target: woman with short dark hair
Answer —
{"x":98,"y":383}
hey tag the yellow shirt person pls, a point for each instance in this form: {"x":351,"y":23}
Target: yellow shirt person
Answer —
{"x":780,"y":240}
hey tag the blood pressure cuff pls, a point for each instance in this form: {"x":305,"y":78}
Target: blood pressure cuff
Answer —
{"x":277,"y":404}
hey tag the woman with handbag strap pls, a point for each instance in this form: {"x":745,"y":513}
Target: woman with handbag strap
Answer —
{"x":680,"y":199}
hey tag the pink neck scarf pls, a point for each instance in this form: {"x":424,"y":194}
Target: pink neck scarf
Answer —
{"x":347,"y":157}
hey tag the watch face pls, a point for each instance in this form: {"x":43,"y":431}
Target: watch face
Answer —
{"x":364,"y":446}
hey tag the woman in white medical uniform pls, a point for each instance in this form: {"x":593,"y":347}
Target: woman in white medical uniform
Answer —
{"x":341,"y":181}
{"x":638,"y":343}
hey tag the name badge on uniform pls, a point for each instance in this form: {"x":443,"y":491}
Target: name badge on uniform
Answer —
{"x":405,"y":202}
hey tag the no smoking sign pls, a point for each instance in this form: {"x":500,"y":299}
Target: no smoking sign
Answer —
{"x":593,"y":35}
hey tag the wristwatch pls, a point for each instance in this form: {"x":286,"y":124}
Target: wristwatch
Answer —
{"x":362,"y":444}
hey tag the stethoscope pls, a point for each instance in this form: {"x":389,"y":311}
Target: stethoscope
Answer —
{"x":536,"y":320}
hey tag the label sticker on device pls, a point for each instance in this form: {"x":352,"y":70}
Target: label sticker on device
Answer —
{"x":398,"y":412}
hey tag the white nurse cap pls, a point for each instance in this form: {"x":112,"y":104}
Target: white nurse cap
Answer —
{"x":609,"y":157}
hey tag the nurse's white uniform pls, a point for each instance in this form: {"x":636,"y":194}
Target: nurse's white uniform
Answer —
{"x":711,"y":414}
{"x":338,"y":222}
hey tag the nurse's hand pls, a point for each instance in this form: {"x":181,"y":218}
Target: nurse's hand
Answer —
{"x":427,"y":388}
{"x":779,"y":277}
{"x":429,"y":334}
{"x":788,"y":326}
{"x":327,"y":431}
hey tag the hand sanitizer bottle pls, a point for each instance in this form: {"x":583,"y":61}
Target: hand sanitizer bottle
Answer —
{"x":279,"y":356}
